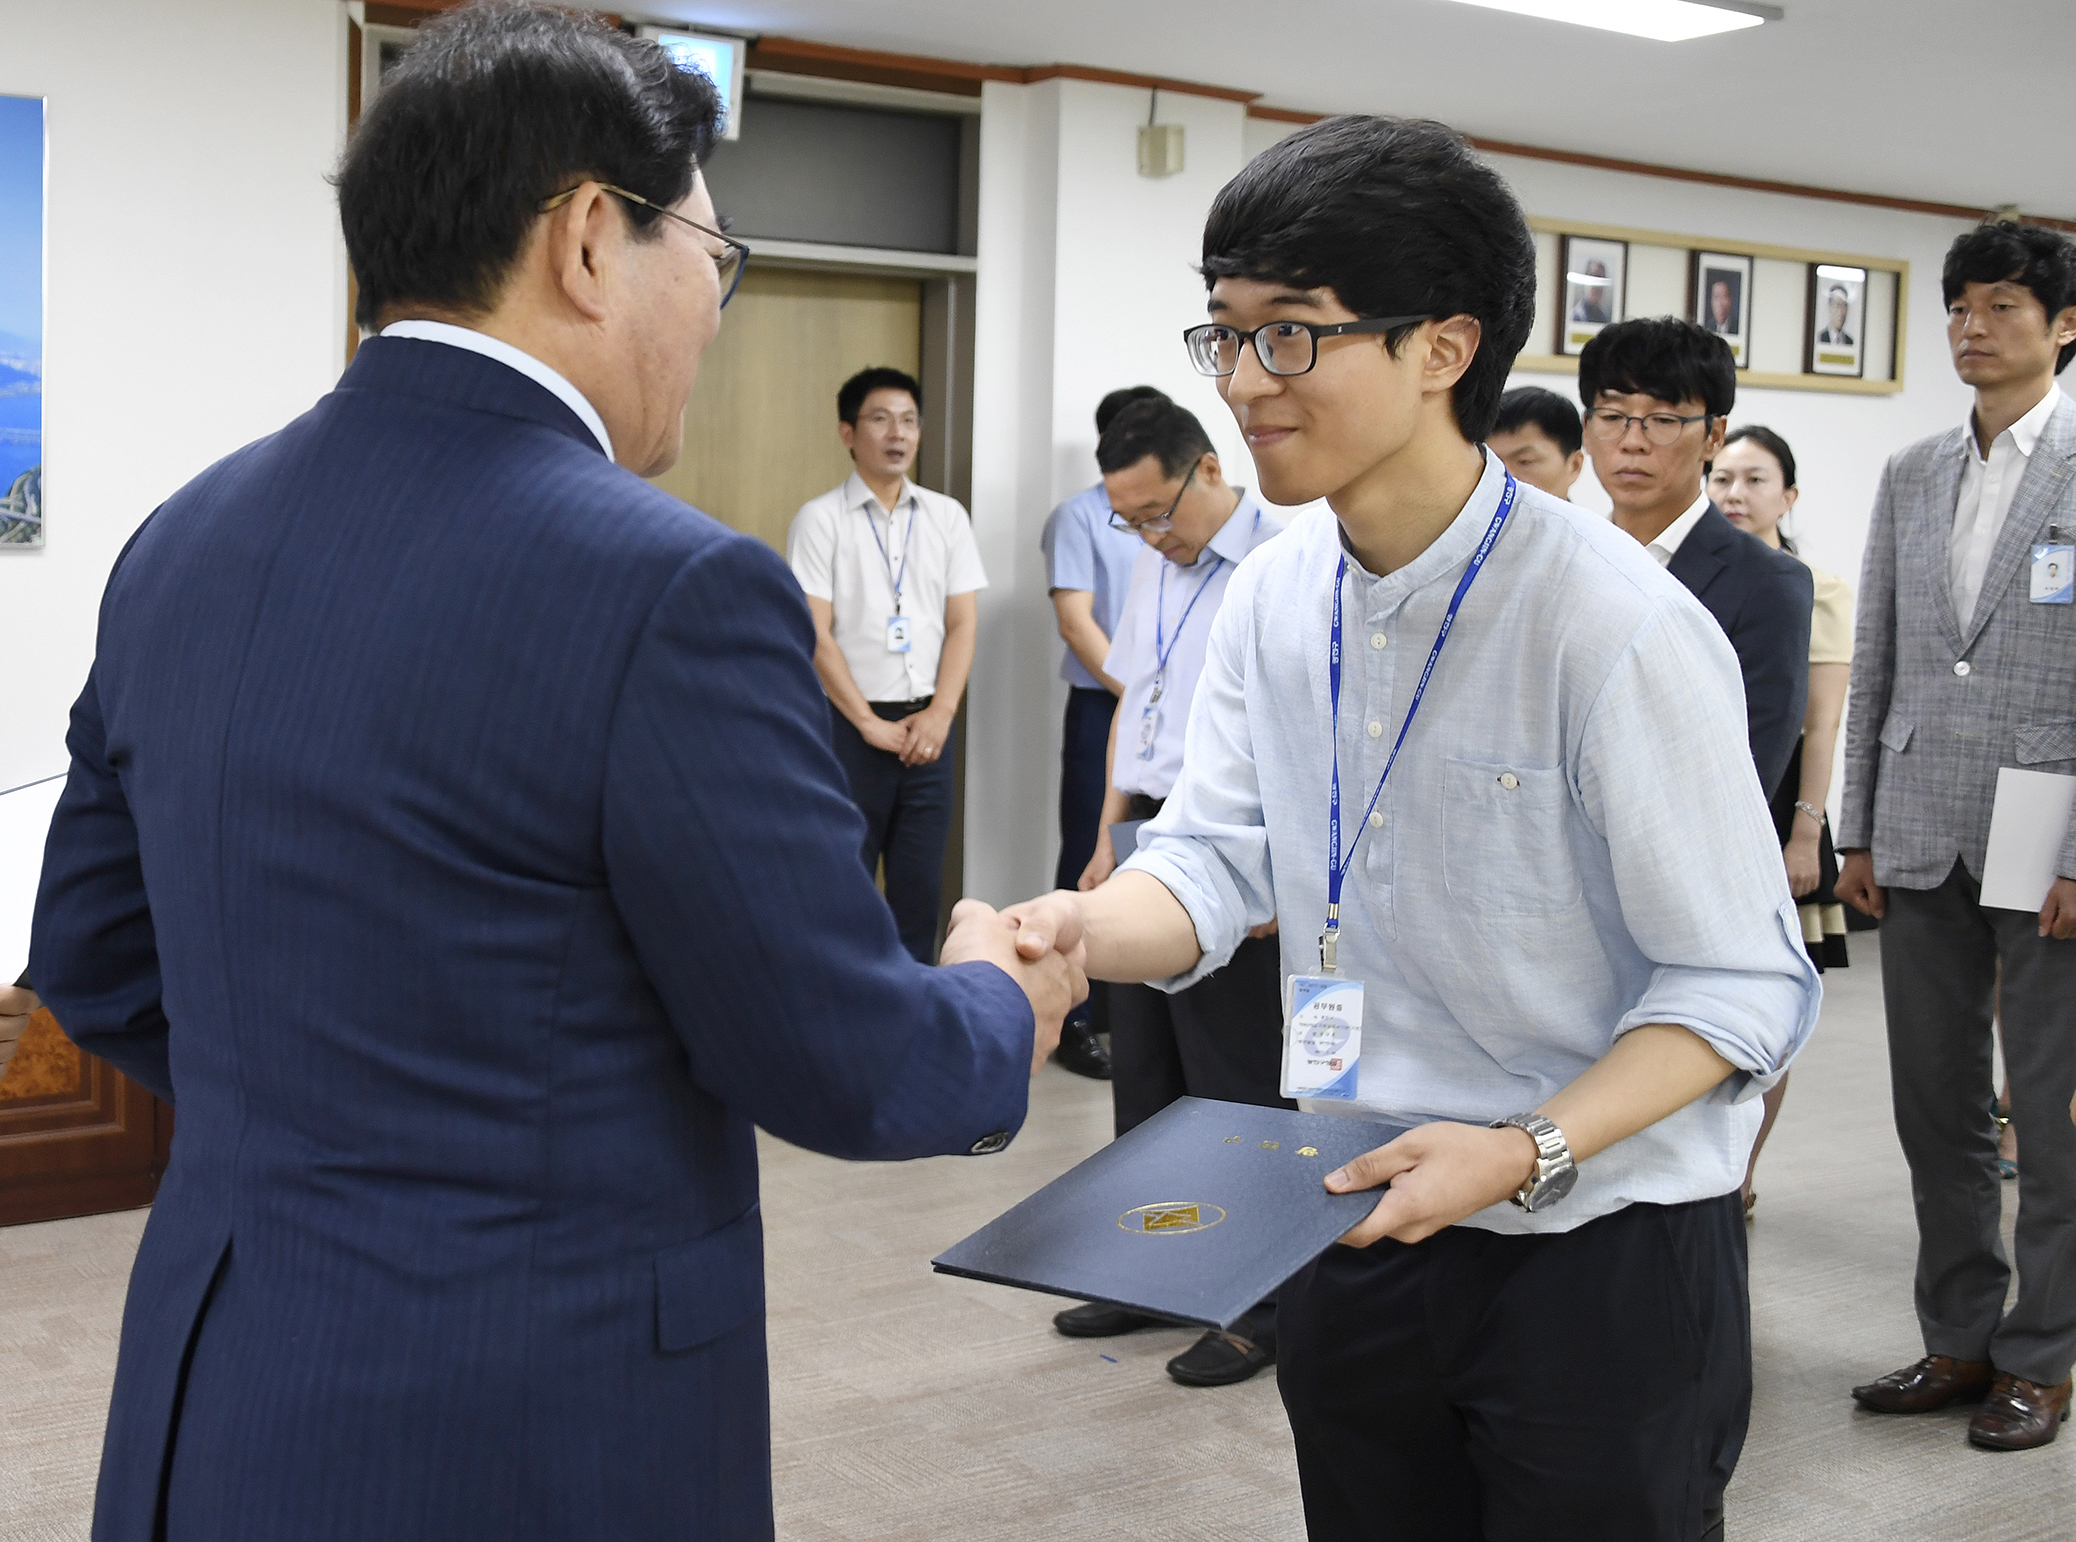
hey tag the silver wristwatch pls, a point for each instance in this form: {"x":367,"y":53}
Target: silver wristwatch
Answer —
{"x":1555,"y":1172}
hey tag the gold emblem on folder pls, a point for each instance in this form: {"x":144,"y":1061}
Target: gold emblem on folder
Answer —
{"x":1272,"y":1145}
{"x":1170,"y":1217}
{"x":1308,"y":1151}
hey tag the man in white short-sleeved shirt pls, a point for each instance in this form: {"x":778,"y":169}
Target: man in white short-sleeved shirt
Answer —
{"x":891,"y":571}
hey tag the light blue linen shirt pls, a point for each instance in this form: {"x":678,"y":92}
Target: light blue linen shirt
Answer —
{"x":1572,"y":844}
{"x":1083,"y":550}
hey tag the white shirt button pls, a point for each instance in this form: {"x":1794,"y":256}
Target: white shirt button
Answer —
{"x":1963,"y":668}
{"x":1509,"y":781}
{"x":1377,"y":639}
{"x":1376,"y":820}
{"x":1376,"y":730}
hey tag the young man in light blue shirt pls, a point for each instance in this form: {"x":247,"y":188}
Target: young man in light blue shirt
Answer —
{"x":1479,"y":753}
{"x":1088,"y":567}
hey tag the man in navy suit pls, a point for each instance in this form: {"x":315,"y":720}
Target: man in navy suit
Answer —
{"x":453,"y":835}
{"x":1658,"y":394}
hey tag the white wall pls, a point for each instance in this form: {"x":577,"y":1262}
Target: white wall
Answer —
{"x":195,"y":296}
{"x":1087,"y":278}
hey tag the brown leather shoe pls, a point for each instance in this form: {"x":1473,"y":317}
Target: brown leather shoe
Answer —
{"x":2020,"y":1415}
{"x":1932,"y":1383}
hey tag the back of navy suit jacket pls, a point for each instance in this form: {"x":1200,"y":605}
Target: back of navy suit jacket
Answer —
{"x":452,"y":833}
{"x":1762,"y":599}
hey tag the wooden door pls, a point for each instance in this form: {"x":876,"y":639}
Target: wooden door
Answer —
{"x":76,"y":1136}
{"x":760,"y":429}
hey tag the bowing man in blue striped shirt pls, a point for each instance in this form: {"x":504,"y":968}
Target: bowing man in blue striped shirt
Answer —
{"x":1487,"y":763}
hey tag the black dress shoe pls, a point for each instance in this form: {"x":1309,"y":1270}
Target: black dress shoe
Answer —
{"x":1219,"y":1359}
{"x":1100,"y":1320}
{"x":1082,"y":1053}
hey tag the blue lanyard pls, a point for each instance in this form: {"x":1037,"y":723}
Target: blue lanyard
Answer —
{"x":1337,"y":864}
{"x":896,"y":579}
{"x":1165,"y":650}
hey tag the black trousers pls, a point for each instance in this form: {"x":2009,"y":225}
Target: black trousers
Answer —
{"x":1941,"y":957}
{"x":1084,"y":769}
{"x":1584,"y":1386}
{"x":907,"y":813}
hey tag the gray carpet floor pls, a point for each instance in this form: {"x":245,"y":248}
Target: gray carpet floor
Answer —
{"x":908,"y":1406}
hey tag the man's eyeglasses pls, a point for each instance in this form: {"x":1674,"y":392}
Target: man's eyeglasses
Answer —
{"x":1607,"y":426}
{"x":1284,"y":347}
{"x":1165,"y":520}
{"x":729,"y":262}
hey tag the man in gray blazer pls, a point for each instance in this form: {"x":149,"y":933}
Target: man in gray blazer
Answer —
{"x":1960,"y":667}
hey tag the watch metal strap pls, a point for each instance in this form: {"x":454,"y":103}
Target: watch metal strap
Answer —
{"x":1552,"y":1152}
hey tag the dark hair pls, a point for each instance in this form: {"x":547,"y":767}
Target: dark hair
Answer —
{"x":850,"y":398}
{"x":2031,"y":256}
{"x":1110,"y":406}
{"x":1546,"y":410}
{"x":1398,"y":218}
{"x":1153,"y":426}
{"x":1772,"y":443}
{"x":1661,"y":356}
{"x":494,"y":109}
{"x":1841,"y":291}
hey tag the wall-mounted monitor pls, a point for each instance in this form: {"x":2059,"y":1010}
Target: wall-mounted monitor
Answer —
{"x":718,"y":58}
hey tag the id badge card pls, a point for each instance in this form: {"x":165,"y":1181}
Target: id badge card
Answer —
{"x":1149,"y":726}
{"x":897,"y":634}
{"x":2054,"y":574}
{"x":1322,"y":1036}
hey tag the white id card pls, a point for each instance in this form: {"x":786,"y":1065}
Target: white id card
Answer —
{"x":1322,"y":1036}
{"x":897,"y":634}
{"x":1149,"y":725}
{"x":2054,"y":575}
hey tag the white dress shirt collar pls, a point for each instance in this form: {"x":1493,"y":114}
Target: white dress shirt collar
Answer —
{"x":496,"y":348}
{"x":1666,"y":544}
{"x":2025,"y":433}
{"x":856,"y":495}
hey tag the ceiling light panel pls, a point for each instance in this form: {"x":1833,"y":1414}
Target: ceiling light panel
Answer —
{"x":1665,"y":21}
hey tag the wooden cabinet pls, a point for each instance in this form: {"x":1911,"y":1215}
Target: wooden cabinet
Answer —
{"x":76,"y":1136}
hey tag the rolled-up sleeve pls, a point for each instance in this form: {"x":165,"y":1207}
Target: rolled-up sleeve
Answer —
{"x":1209,"y":844}
{"x":1663,"y":776}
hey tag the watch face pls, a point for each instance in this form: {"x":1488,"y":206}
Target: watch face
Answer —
{"x":1552,"y":1189}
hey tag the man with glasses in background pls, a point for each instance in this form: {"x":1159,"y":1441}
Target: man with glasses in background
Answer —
{"x":891,"y":573}
{"x":1088,"y":568}
{"x":1658,"y":394}
{"x":1222,"y":1037}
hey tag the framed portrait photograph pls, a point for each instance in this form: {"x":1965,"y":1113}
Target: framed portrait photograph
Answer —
{"x":1595,"y":275}
{"x":1837,"y":320}
{"x":1723,"y":300}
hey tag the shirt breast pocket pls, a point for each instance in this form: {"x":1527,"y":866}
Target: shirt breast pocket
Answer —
{"x":1506,"y":841}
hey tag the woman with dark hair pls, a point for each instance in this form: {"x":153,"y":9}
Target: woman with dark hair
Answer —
{"x":1753,"y":482}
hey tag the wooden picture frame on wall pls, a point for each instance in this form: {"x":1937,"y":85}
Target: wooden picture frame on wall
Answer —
{"x":1836,"y":343}
{"x":1721,"y":292}
{"x":1596,"y":283}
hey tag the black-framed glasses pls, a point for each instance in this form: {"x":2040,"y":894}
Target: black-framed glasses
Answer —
{"x":1165,"y":520}
{"x":1284,"y":347}
{"x":729,"y":262}
{"x":1608,"y":426}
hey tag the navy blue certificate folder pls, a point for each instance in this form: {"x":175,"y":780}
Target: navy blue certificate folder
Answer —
{"x":1195,"y":1215}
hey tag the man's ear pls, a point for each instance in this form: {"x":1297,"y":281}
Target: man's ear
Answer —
{"x":578,"y":239}
{"x":1450,"y":348}
{"x":2065,"y":327}
{"x":848,"y":433}
{"x":1717,"y":427}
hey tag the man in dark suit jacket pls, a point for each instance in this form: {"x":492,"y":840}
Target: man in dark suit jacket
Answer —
{"x":453,"y":835}
{"x":1658,"y":394}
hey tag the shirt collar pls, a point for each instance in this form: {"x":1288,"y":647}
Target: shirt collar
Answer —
{"x":1447,"y":551}
{"x":1668,"y":540}
{"x":1235,"y":538}
{"x":496,"y":348}
{"x":856,"y":495}
{"x":2025,"y":433}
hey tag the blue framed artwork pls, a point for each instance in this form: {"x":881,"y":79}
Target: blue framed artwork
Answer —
{"x":21,"y":321}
